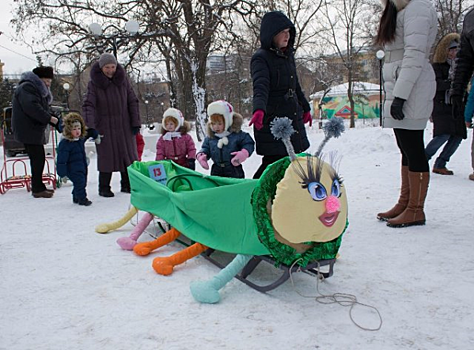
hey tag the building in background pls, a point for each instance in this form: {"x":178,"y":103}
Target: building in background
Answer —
{"x":335,"y":103}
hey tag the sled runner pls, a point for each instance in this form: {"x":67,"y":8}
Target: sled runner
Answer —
{"x":312,"y":269}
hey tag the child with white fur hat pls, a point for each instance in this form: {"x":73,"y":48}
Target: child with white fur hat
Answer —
{"x":175,"y":143}
{"x":226,"y":144}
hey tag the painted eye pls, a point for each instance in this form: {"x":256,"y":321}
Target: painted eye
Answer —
{"x":336,"y":188}
{"x":317,"y":191}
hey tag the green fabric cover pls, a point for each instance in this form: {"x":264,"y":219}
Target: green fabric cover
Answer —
{"x":211,"y":210}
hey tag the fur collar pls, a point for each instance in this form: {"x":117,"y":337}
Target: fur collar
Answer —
{"x":36,"y":81}
{"x":100,"y":80}
{"x":236,"y":126}
{"x":441,"y":51}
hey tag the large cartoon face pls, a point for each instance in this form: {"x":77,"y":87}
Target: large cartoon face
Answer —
{"x":310,"y":204}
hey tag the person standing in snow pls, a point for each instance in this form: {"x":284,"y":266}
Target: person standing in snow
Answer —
{"x":72,"y":159}
{"x":31,"y":116}
{"x":446,"y":127}
{"x":175,"y":143}
{"x":111,"y":107}
{"x":468,"y":113}
{"x":140,"y":145}
{"x":226,"y":144}
{"x":276,"y":90}
{"x":462,"y":75}
{"x":407,"y":32}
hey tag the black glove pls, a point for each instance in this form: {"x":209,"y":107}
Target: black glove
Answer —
{"x":135,"y":130}
{"x":396,"y":110}
{"x":192,"y":163}
{"x":59,"y":125}
{"x":92,"y":133}
{"x":458,"y":106}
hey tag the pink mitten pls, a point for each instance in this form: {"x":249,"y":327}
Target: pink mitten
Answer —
{"x":240,"y":157}
{"x":307,"y":118}
{"x":257,"y":119}
{"x":202,"y":159}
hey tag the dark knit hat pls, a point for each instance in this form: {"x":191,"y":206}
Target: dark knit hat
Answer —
{"x":44,"y":72}
{"x":107,"y":58}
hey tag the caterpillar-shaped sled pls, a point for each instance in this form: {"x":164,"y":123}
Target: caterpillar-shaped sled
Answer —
{"x":294,"y":216}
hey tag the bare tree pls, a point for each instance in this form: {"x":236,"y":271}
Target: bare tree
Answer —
{"x":346,"y":23}
{"x":182,"y":30}
{"x":450,"y":15}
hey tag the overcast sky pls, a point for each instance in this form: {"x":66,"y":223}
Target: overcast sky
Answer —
{"x":17,"y":58}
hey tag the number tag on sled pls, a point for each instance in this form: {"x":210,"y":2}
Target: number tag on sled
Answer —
{"x":158,"y":173}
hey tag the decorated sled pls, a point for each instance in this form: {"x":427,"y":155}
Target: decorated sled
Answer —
{"x":293,"y":217}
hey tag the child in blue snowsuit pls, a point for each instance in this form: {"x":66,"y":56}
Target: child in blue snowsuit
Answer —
{"x":226,"y":144}
{"x":72,"y":160}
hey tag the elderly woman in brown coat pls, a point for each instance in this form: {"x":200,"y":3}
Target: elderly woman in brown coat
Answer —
{"x":111,"y":107}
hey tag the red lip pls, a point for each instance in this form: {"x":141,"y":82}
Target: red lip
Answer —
{"x":328,"y":219}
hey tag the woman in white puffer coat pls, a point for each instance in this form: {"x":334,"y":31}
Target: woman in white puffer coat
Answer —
{"x":407,"y":32}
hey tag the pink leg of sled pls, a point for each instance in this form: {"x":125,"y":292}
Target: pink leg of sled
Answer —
{"x":127,"y":243}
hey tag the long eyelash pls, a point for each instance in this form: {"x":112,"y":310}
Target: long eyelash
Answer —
{"x":313,"y":171}
{"x":335,"y":161}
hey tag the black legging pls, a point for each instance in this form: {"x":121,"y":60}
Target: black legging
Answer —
{"x":266,"y":161}
{"x":412,"y":148}
{"x":37,"y":159}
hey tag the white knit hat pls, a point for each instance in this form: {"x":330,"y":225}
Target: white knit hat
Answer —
{"x":223,"y":108}
{"x":176,"y":114}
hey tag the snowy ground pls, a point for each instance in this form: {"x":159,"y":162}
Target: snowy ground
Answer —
{"x":63,"y":286}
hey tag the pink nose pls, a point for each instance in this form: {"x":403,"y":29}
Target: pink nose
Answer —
{"x":332,"y":204}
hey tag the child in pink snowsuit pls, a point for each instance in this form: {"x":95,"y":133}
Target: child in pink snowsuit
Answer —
{"x":175,"y":143}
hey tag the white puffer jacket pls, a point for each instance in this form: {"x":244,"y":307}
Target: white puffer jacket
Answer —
{"x":407,"y":72}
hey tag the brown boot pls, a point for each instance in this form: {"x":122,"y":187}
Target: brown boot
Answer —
{"x":414,"y":214}
{"x":402,"y":201}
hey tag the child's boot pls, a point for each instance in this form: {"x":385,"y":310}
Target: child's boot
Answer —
{"x":84,"y":201}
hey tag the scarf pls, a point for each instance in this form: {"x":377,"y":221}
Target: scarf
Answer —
{"x":169,"y":135}
{"x":223,"y":139}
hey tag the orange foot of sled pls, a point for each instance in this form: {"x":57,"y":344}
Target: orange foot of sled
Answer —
{"x":145,"y":248}
{"x":164,"y":266}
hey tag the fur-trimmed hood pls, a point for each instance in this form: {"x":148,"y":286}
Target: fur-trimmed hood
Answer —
{"x":101,"y":80}
{"x":399,"y":4}
{"x":237,"y":121}
{"x":36,"y":81}
{"x":441,"y":51}
{"x":68,"y":120}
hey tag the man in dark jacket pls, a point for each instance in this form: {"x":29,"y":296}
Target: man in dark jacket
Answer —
{"x":111,"y":107}
{"x":463,"y":72}
{"x":31,"y":116}
{"x":276,"y":89}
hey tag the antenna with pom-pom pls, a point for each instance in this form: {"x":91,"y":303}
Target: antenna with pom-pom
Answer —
{"x":334,"y":127}
{"x":282,"y":129}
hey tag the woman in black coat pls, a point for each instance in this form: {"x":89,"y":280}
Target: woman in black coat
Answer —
{"x":447,"y":129}
{"x":276,"y":89}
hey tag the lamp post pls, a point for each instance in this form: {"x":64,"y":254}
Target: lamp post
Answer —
{"x":149,"y":125}
{"x":131,"y":27}
{"x":66,"y":88}
{"x":380,"y":54}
